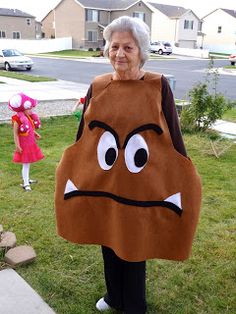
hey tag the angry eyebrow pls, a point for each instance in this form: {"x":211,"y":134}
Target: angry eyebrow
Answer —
{"x":150,"y":126}
{"x":99,"y":124}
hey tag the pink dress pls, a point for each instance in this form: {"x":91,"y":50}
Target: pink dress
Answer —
{"x":30,"y":150}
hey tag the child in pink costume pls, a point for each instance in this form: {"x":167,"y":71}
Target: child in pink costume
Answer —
{"x":24,"y":124}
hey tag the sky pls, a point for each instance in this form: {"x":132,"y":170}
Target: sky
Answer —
{"x":39,"y":9}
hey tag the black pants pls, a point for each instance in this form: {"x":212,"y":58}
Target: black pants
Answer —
{"x":125,"y":282}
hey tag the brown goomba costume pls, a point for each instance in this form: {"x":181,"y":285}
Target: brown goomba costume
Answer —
{"x":122,"y":184}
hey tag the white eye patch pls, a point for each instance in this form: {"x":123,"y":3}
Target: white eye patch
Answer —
{"x":136,"y":153}
{"x":107,"y":151}
{"x":27,"y":104}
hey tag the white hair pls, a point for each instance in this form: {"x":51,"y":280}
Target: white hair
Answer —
{"x":138,"y":29}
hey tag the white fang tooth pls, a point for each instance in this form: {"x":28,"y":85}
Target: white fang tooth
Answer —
{"x":175,"y":199}
{"x":70,"y":187}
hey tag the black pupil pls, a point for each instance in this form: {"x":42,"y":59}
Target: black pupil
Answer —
{"x":140,"y":157}
{"x":110,"y":156}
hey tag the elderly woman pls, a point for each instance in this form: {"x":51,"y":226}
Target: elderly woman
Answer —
{"x":127,"y":183}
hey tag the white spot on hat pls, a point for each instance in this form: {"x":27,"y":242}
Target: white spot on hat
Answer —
{"x":15,"y":101}
{"x":27,"y":104}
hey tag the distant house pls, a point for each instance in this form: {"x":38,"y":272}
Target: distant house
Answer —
{"x":174,"y":24}
{"x":15,"y":24}
{"x":85,"y":20}
{"x":219,"y":28}
{"x":38,"y":30}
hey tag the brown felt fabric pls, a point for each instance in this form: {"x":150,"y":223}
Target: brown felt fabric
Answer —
{"x":134,"y":233}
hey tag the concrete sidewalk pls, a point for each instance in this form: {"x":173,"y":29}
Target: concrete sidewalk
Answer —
{"x":54,"y":98}
{"x":17,"y":297}
{"x":227,"y":129}
{"x":41,"y":90}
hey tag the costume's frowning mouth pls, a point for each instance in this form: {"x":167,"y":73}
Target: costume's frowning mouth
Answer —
{"x":172,"y":202}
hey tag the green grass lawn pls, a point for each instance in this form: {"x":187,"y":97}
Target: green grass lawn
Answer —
{"x":73,"y":53}
{"x":230,"y":115}
{"x":219,"y":55}
{"x":232,"y":67}
{"x":69,"y":277}
{"x":26,"y":77}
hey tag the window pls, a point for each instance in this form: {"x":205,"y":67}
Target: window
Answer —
{"x":2,"y":34}
{"x":28,"y":21}
{"x":200,"y":26}
{"x":219,"y":29}
{"x":188,"y":24}
{"x":92,"y":15}
{"x":140,"y":15}
{"x":92,"y":36}
{"x":16,"y":35}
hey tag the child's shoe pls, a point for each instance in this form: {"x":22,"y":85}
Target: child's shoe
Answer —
{"x":32,"y":181}
{"x":27,"y":188}
{"x":102,"y":306}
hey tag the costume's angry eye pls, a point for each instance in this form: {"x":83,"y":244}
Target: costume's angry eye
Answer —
{"x":107,"y":151}
{"x":136,"y":153}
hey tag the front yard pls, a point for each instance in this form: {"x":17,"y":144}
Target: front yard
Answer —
{"x":69,"y":277}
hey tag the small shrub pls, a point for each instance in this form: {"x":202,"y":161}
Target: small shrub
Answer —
{"x":90,"y":49}
{"x":206,"y":104}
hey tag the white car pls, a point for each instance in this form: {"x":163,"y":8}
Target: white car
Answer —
{"x":13,"y":59}
{"x":161,"y":47}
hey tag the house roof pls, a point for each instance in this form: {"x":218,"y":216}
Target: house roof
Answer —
{"x":110,"y":5}
{"x":14,"y":12}
{"x":170,"y":10}
{"x":230,"y":12}
{"x":106,"y":5}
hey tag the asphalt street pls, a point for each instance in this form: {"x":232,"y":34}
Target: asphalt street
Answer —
{"x":187,"y":71}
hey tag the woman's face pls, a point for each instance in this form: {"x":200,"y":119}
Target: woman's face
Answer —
{"x":124,"y":52}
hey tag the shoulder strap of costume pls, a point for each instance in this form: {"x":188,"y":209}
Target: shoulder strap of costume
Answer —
{"x":31,"y":120}
{"x":100,"y":82}
{"x":154,"y":79}
{"x":149,"y":76}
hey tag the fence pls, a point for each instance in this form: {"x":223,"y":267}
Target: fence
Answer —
{"x":38,"y":45}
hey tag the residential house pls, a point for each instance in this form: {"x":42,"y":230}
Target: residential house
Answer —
{"x":85,"y":20}
{"x":15,"y":24}
{"x":219,"y":28}
{"x":175,"y":24}
{"x":38,"y":30}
